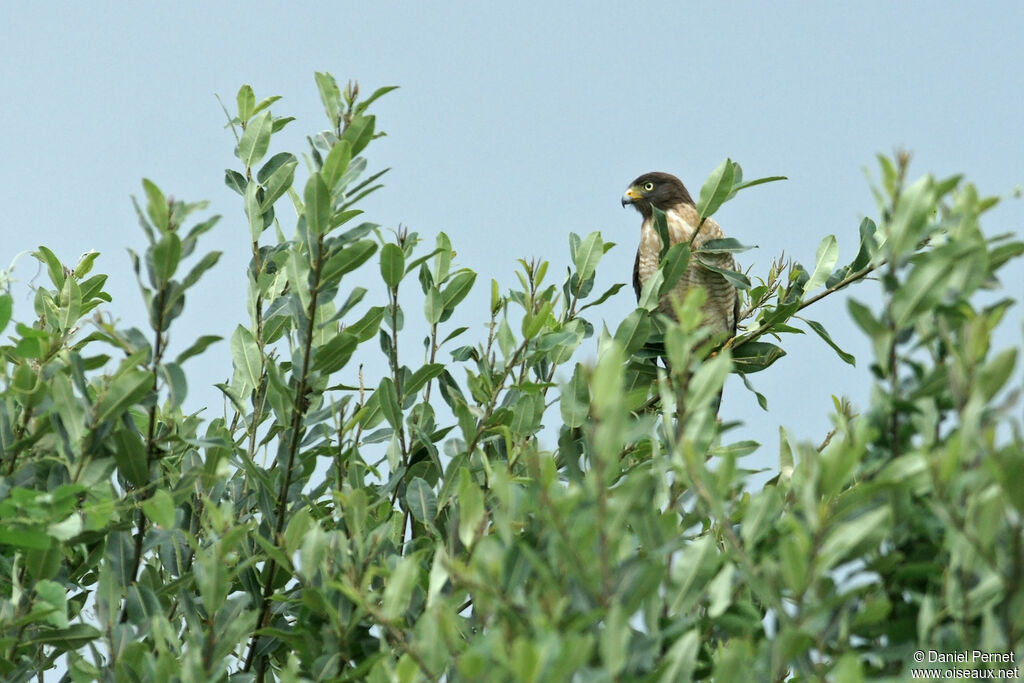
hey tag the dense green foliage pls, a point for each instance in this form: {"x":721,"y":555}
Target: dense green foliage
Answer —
{"x":496,"y":510}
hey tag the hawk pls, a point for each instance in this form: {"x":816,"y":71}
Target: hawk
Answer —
{"x":667,"y":193}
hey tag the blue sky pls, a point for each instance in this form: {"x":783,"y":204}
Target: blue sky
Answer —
{"x":514,"y":126}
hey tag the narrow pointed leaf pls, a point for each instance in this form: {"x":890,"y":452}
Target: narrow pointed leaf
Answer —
{"x":755,"y":356}
{"x":716,"y":189}
{"x":737,"y":279}
{"x":824,"y":262}
{"x":197,"y":347}
{"x":392,"y":264}
{"x":823,"y":333}
{"x":421,"y":500}
{"x":318,"y":204}
{"x":156,"y":205}
{"x":759,"y":181}
{"x":255,"y":140}
{"x":588,"y":255}
{"x":246,"y":100}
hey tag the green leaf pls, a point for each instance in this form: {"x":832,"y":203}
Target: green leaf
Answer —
{"x":890,"y":177}
{"x":755,"y":356}
{"x":279,"y":180}
{"x":246,"y":102}
{"x":760,"y":181}
{"x":348,"y":259}
{"x":159,"y":508}
{"x":909,"y":222}
{"x":281,"y":122}
{"x":266,"y":102}
{"x":820,"y":329}
{"x":235,"y":181}
{"x":208,"y":261}
{"x":720,"y":591}
{"x":633,"y":332}
{"x":73,"y":637}
{"x":84,"y":265}
{"x":23,"y":538}
{"x":726,"y":245}
{"x":422,"y":375}
{"x":673,"y":265}
{"x":254,"y":210}
{"x":862,"y":315}
{"x":869,"y":527}
{"x":197,"y":347}
{"x":533,"y":324}
{"x":329,"y":95}
{"x":392,"y":264}
{"x":588,"y":255}
{"x":762,"y":513}
{"x":828,"y":255}
{"x":922,"y":290}
{"x":421,"y":500}
{"x":335,"y":354}
{"x":367,"y":326}
{"x":70,"y":304}
{"x":124,"y":391}
{"x":255,"y":140}
{"x":245,"y":355}
{"x":318,"y":205}
{"x":156,"y":205}
{"x":174,"y":382}
{"x":614,"y":641}
{"x":433,"y":305}
{"x":166,"y":256}
{"x":761,"y":400}
{"x":52,"y":598}
{"x":740,"y":449}
{"x":471,"y":508}
{"x":681,"y":659}
{"x":496,"y":299}
{"x":53,"y":265}
{"x":868,"y":246}
{"x":575,"y":400}
{"x":388,"y":398}
{"x":610,"y":292}
{"x":707,"y":381}
{"x":359,"y":132}
{"x":336,"y":163}
{"x":649,"y":298}
{"x":716,"y":189}
{"x":379,"y":92}
{"x":398,"y":588}
{"x":457,"y":289}
{"x":130,"y":456}
{"x":736,"y":279}
{"x":6,"y":308}
{"x":994,"y":374}
{"x":33,"y":342}
{"x":272,"y":551}
{"x":300,"y":526}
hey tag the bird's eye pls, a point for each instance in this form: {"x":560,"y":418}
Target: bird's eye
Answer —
{"x":648,"y":186}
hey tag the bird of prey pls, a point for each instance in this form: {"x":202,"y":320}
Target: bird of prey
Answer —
{"x":667,"y":193}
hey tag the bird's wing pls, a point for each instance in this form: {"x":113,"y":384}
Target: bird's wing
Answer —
{"x":637,"y":287}
{"x":735,"y":313}
{"x":721,"y":309}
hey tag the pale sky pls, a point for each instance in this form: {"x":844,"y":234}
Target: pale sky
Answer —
{"x":514,"y":126}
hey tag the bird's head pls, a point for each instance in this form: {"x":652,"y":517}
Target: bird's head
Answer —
{"x":661,"y":190}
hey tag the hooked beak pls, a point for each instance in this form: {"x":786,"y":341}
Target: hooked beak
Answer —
{"x":630,"y":197}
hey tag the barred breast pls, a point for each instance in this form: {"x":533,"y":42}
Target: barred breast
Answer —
{"x":720,"y":307}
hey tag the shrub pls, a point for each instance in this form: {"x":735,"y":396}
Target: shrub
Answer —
{"x":499,"y":511}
